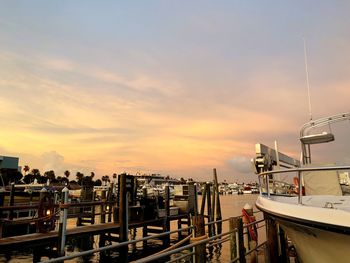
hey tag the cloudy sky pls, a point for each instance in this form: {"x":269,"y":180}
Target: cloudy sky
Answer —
{"x":170,"y":87}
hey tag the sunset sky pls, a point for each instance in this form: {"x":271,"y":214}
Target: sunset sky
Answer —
{"x":169,"y":87}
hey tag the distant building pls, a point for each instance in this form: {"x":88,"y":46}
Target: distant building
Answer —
{"x":7,"y":162}
{"x":9,"y":170}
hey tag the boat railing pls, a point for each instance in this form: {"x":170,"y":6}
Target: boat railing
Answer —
{"x":266,"y":178}
{"x":193,"y":247}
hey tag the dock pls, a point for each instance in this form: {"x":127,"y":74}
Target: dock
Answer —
{"x":40,"y":239}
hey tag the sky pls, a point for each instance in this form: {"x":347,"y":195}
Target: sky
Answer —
{"x":170,"y":87}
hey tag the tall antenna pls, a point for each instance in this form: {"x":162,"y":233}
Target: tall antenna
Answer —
{"x":307,"y":79}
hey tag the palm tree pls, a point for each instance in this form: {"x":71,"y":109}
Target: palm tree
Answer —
{"x":80,"y":177}
{"x":50,"y":175}
{"x":67,"y":173}
{"x":35,"y":174}
{"x":26,"y":169}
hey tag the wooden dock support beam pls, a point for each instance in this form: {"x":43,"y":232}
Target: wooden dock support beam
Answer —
{"x":123,"y":218}
{"x":166,"y":239}
{"x":272,"y":239}
{"x":233,"y":237}
{"x":12,"y":199}
{"x":102,"y":208}
{"x":63,"y":223}
{"x":241,"y":249}
{"x":283,"y":245}
{"x":199,"y":231}
{"x":218,"y":204}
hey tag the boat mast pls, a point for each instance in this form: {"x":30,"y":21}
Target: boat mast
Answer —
{"x":307,"y":79}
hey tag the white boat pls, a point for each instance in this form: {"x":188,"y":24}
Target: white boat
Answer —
{"x":314,"y":212}
{"x":247,"y":190}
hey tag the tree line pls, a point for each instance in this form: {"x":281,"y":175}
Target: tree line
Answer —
{"x":34,"y":175}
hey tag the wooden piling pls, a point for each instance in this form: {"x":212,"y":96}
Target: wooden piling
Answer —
{"x":233,"y":237}
{"x":210,"y":219}
{"x":102,"y":207}
{"x":63,"y":223}
{"x":93,"y":209}
{"x":213,"y":204}
{"x":204,"y":197}
{"x":199,"y":231}
{"x":272,"y":239}
{"x":123,"y":218}
{"x":284,"y":258}
{"x":12,"y":199}
{"x":195,"y":199}
{"x":218,"y":204}
{"x":144,"y":228}
{"x":109,"y":199}
{"x":2,"y":200}
{"x":166,"y":239}
{"x":241,"y":249}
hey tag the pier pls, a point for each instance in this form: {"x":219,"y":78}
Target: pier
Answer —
{"x":173,"y":221}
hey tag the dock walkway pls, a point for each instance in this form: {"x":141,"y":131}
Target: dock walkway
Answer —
{"x":36,"y":239}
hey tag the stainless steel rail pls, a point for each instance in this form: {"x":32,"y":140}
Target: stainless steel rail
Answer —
{"x":299,"y":172}
{"x":101,"y":249}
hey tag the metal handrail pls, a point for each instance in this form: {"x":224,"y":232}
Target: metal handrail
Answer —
{"x":166,"y":253}
{"x":122,"y":244}
{"x":299,"y":171}
{"x":323,"y":121}
{"x":307,"y":169}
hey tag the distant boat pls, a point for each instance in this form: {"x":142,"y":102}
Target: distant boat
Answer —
{"x":314,"y":213}
{"x":247,"y":190}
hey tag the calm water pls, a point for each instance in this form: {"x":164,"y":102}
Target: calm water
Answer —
{"x":231,"y":205}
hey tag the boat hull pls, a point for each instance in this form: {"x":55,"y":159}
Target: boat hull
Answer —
{"x":314,"y":240}
{"x":317,"y":245}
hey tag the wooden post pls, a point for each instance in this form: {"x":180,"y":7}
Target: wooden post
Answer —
{"x":213,"y":201}
{"x":200,"y":251}
{"x":144,"y":196}
{"x":37,"y":254}
{"x":210,"y":219}
{"x":167,"y":220}
{"x":63,"y":223}
{"x":144,"y":234}
{"x":204,"y":196}
{"x":272,"y":239}
{"x":123,"y":218}
{"x":110,"y":197}
{"x":195,"y":199}
{"x":102,"y":207}
{"x":12,"y":199}
{"x":102,"y":243}
{"x":93,"y":209}
{"x":283,"y":245}
{"x":39,"y":223}
{"x":2,"y":200}
{"x":241,"y":249}
{"x":144,"y":228}
{"x":233,"y":236}
{"x":218,"y":205}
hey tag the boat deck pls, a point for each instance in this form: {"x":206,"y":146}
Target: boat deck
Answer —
{"x":320,"y":201}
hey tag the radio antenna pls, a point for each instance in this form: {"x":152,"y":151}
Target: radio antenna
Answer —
{"x":307,"y":79}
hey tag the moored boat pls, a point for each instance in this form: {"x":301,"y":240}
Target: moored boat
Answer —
{"x":314,"y":211}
